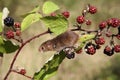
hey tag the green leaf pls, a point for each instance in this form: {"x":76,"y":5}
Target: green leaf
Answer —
{"x":30,"y":19}
{"x":0,"y":21}
{"x":35,"y":10}
{"x":50,"y":68}
{"x":56,"y":24}
{"x":7,"y":46}
{"x":86,"y":37}
{"x":49,"y":7}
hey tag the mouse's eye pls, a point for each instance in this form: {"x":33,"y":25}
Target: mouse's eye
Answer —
{"x":43,"y":48}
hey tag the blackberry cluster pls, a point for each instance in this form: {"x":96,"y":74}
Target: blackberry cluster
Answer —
{"x":16,"y":28}
{"x":89,"y":9}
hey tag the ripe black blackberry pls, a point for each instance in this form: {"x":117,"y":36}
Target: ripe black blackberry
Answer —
{"x":9,"y":21}
{"x":108,"y":51}
{"x":70,"y":55}
{"x":69,"y":52}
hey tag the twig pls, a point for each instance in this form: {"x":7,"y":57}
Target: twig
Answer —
{"x":80,"y":29}
{"x":20,"y":41}
{"x":17,"y":53}
{"x":22,"y":74}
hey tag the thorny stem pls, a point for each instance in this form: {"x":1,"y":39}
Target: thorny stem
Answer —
{"x":17,"y":53}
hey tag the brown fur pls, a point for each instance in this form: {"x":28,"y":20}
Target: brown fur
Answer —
{"x":66,"y":39}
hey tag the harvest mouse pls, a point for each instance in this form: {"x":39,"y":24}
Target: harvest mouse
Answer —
{"x":66,"y":39}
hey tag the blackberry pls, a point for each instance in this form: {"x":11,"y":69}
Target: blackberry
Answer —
{"x":115,"y":22}
{"x":17,"y":25}
{"x":66,"y":14}
{"x":90,"y":48}
{"x":117,"y":48}
{"x":118,"y":36}
{"x":98,"y":46}
{"x":88,"y":22}
{"x":79,"y":51}
{"x":102,"y":25}
{"x":92,"y":9}
{"x":70,"y":55}
{"x":80,"y":19}
{"x":69,"y":52}
{"x":100,"y":40}
{"x":10,"y":34}
{"x":22,"y":71}
{"x":9,"y":21}
{"x":108,"y":51}
{"x":18,"y":33}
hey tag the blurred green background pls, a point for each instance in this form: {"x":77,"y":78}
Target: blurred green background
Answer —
{"x":83,"y":67}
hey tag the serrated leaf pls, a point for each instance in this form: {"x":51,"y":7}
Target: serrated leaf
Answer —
{"x":50,"y":68}
{"x":86,"y":37}
{"x":56,"y":24}
{"x":30,"y":19}
{"x":49,"y":7}
{"x":7,"y":46}
{"x":0,"y":21}
{"x":36,"y":9}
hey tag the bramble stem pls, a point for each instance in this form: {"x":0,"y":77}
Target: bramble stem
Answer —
{"x":17,"y":53}
{"x":21,"y":74}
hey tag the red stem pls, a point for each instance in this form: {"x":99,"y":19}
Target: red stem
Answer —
{"x":17,"y":53}
{"x":22,"y":74}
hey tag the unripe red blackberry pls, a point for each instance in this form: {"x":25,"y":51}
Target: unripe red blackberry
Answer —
{"x":90,"y":48}
{"x":92,"y":9}
{"x":10,"y":34}
{"x":88,"y":22}
{"x":18,"y":33}
{"x":100,"y":40}
{"x":108,"y":34}
{"x":102,"y":25}
{"x":17,"y":25}
{"x":108,"y":51}
{"x":115,"y":22}
{"x":98,"y":46}
{"x":118,"y":36}
{"x":117,"y":48}
{"x":80,"y":19}
{"x":53,"y":14}
{"x":66,"y":14}
{"x":22,"y":71}
{"x":109,"y":22}
{"x":9,"y":21}
{"x":79,"y":51}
